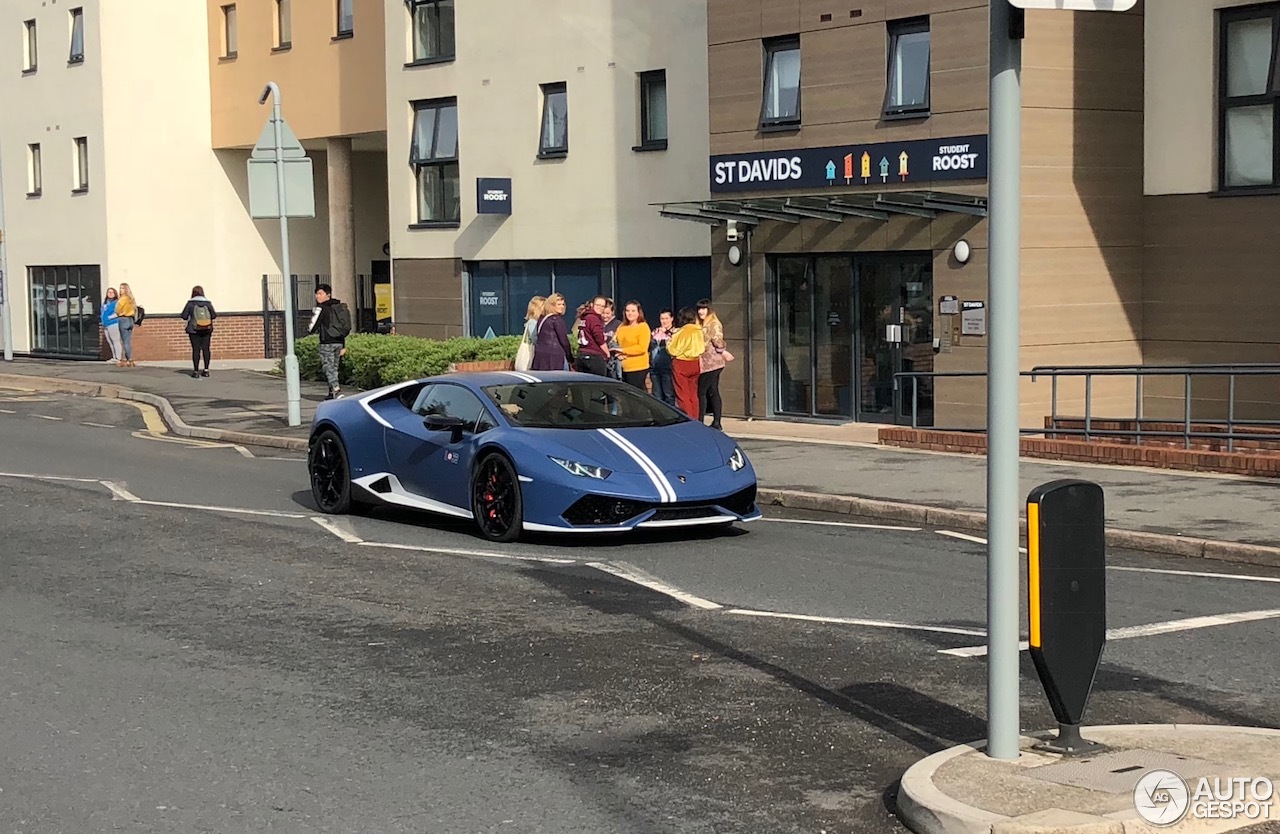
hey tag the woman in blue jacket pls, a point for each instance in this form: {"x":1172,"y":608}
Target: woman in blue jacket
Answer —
{"x":111,"y":325}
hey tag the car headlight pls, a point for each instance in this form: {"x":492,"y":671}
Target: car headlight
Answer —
{"x":737,"y":460}
{"x":585,"y":470}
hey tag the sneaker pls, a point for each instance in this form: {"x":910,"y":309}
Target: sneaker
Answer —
{"x":195,"y":375}
{"x":205,"y":372}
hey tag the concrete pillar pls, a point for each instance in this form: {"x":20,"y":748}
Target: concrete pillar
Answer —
{"x":342,"y":260}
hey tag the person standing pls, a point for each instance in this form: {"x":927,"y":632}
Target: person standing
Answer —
{"x":593,"y":345}
{"x":127,"y":319}
{"x":713,"y":362}
{"x":199,"y":315}
{"x":111,"y":324}
{"x":529,"y":339}
{"x":551,"y":349}
{"x":611,"y":323}
{"x":331,"y":321}
{"x":633,"y":338}
{"x":660,"y":359}
{"x":686,"y":347}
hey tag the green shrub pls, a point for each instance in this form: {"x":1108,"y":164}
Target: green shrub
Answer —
{"x":374,"y":360}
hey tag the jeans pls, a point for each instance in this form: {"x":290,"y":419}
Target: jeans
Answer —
{"x":664,"y":386}
{"x":126,"y":339}
{"x":113,"y":341}
{"x":635,"y":378}
{"x":709,"y":396}
{"x":330,"y":360}
{"x":593,"y":363}
{"x":201,"y":345}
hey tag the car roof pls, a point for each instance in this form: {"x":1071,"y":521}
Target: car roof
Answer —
{"x":483,"y":379}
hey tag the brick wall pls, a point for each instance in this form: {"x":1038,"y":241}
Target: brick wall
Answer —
{"x":235,"y":336}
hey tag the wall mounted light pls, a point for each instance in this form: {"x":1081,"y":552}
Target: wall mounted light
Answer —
{"x":961,"y":251}
{"x":735,"y":255}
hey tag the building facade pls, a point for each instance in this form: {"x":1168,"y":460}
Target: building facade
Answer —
{"x":526,"y":144}
{"x":848,"y":177}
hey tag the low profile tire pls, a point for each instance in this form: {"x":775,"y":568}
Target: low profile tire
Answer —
{"x":330,"y":473}
{"x":496,"y":501}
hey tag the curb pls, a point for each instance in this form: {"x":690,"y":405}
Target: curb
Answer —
{"x":918,"y":514}
{"x":922,"y":514}
{"x":926,"y":809}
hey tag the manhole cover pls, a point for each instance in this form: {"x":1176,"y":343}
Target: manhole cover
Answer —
{"x":1119,"y":771}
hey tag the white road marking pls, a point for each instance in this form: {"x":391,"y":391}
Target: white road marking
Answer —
{"x":1148,"y":630}
{"x":47,"y":417}
{"x":967,"y":632}
{"x":1202,"y":574}
{"x":98,"y":425}
{"x":966,"y":537}
{"x":336,"y":527}
{"x":243,"y":451}
{"x":452,"y":551}
{"x":7,"y":411}
{"x":47,"y":478}
{"x":235,"y":510}
{"x":120,"y":492}
{"x":631,"y":573}
{"x":844,"y":524}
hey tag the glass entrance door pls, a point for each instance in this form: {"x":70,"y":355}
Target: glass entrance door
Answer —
{"x":895,"y":335}
{"x":65,"y":311}
{"x":815,"y":336}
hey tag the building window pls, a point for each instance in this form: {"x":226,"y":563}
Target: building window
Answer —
{"x":284,"y":24}
{"x":434,"y":157}
{"x":554,"y":138}
{"x":35,"y":175}
{"x":907,"y":90}
{"x":1249,"y":91}
{"x":346,"y":18}
{"x":81,"y":162}
{"x":229,"y":33}
{"x":653,"y":111}
{"x":781,"y":105}
{"x":29,"y":46}
{"x":433,"y":30}
{"x":77,"y":37}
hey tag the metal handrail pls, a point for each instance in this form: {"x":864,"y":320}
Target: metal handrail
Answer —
{"x":1139,"y":373}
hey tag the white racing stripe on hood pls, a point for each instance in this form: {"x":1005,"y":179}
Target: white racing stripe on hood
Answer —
{"x":523,"y":376}
{"x":665,"y":490}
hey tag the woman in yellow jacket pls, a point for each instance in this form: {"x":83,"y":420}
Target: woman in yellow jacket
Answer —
{"x":632,"y":337}
{"x":127,"y":311}
{"x":686,"y":347}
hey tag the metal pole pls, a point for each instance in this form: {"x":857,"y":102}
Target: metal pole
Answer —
{"x":292,"y":384}
{"x":1004,"y":225}
{"x":6,"y":301}
{"x":748,"y":365}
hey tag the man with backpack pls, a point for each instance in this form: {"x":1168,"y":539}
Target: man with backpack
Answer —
{"x":331,"y":320}
{"x":199,"y":315}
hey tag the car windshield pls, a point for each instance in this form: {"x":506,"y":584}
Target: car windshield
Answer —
{"x":592,"y":403}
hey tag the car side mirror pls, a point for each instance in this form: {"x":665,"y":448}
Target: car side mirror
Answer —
{"x":440,"y":422}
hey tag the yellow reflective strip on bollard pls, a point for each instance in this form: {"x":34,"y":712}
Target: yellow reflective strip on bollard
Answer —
{"x":1033,"y":572}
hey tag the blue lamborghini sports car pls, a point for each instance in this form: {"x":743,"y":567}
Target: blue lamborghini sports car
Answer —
{"x":544,"y":451}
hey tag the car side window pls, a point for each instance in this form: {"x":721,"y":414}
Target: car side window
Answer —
{"x":446,"y":400}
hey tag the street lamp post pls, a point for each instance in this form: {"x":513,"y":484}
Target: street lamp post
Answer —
{"x":6,"y":303}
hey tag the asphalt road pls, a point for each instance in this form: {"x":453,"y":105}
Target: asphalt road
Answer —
{"x":173,"y":663}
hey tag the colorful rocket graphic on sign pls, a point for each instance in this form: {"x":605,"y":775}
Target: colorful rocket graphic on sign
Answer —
{"x":884,"y":168}
{"x":866,"y":167}
{"x":902,"y":165}
{"x":848,"y":168}
{"x":831,"y":172}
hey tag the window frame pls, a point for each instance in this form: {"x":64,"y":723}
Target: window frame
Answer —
{"x":1271,"y":97}
{"x":77,"y":22}
{"x":413,"y":7}
{"x":771,"y":48}
{"x":283,"y":26}
{"x":419,"y":163}
{"x":80,"y":164}
{"x":646,"y":80}
{"x":35,"y":170}
{"x":30,"y":47}
{"x":230,"y":32}
{"x":894,"y":30}
{"x":546,"y":151}
{"x":341,"y":33}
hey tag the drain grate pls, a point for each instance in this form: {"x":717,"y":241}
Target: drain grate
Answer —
{"x":1119,"y":771}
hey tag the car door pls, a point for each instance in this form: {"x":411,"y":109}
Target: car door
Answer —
{"x":428,"y":462}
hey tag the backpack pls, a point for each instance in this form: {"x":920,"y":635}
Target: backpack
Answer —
{"x":201,"y":317}
{"x":139,"y":315}
{"x":342,"y":321}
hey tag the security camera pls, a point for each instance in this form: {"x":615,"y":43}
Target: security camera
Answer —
{"x":731,"y":231}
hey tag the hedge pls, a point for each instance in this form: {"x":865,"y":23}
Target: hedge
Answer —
{"x":375,"y":360}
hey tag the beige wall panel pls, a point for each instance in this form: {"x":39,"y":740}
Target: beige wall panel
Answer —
{"x":329,"y":87}
{"x":811,"y":12}
{"x":958,"y":38}
{"x":779,"y":18}
{"x":961,"y":90}
{"x":733,"y":20}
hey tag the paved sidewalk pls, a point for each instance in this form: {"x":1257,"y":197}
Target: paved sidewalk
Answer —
{"x":836,"y":469}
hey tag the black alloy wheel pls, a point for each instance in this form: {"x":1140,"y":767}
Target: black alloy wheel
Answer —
{"x":496,"y":500}
{"x":330,"y":474}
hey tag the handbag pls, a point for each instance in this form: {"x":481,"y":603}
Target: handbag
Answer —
{"x":524,"y":353}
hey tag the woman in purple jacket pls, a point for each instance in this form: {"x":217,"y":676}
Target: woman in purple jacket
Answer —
{"x":551,"y":350}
